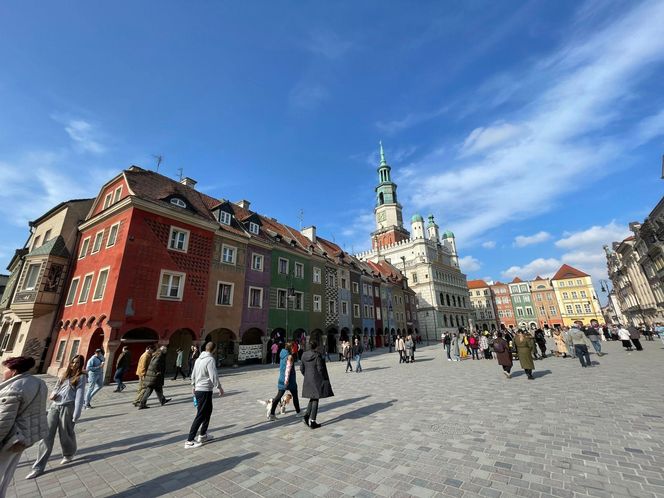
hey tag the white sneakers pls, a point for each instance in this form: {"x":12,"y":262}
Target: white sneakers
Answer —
{"x":33,"y":474}
{"x":204,"y":439}
{"x":192,"y":444}
{"x":65,"y":460}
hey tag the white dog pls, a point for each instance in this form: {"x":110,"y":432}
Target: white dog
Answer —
{"x":267,"y":403}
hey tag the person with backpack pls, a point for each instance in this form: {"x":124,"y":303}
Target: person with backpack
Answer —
{"x":474,"y":345}
{"x":503,"y":354}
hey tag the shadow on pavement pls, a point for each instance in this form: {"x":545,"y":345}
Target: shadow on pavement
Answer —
{"x":541,"y":373}
{"x":100,"y":417}
{"x":361,"y":412}
{"x":182,"y":478}
{"x":373,"y":368}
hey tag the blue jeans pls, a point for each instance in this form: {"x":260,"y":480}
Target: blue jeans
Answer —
{"x":358,"y":366}
{"x":95,"y":383}
{"x":583,"y":355}
{"x":119,"y":373}
{"x":597,"y":345}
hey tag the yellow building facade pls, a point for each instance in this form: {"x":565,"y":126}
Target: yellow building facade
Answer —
{"x":576,"y":296}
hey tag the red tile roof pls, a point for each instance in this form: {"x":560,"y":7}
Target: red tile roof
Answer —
{"x":516,"y":280}
{"x":567,"y":271}
{"x":477,"y":284}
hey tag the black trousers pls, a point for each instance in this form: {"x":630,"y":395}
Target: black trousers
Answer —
{"x":507,"y":368}
{"x":148,"y":392}
{"x":542,"y":346}
{"x":637,"y":344}
{"x":348,"y":364}
{"x":581,"y":351}
{"x":203,"y":414}
{"x":402,"y":356}
{"x":178,"y":370}
{"x":280,"y":394}
{"x":312,"y":410}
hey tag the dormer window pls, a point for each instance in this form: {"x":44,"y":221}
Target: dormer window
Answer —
{"x":224,"y":218}
{"x":253,"y":228}
{"x":178,"y":202}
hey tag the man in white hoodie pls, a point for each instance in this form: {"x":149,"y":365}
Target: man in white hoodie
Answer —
{"x":205,"y":379}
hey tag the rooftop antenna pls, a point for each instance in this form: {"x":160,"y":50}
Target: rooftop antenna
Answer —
{"x":301,"y":218}
{"x":159,"y":158}
{"x":180,"y":173}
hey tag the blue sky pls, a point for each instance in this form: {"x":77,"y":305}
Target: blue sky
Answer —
{"x":533,"y":130}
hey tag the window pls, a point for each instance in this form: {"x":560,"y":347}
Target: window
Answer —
{"x":365,"y":290}
{"x":31,"y":276}
{"x":47,"y":236}
{"x":9,"y":344}
{"x":578,"y":282}
{"x":253,"y":228}
{"x":344,"y":283}
{"x":255,"y":297}
{"x":552,"y":311}
{"x":519,"y":312}
{"x":72,"y":292}
{"x":344,"y":307}
{"x":171,"y":285}
{"x":257,"y":262}
{"x":113,"y":235}
{"x":74,"y":349}
{"x":517,"y":299}
{"x":376,"y":292}
{"x":561,"y":284}
{"x":117,"y":194}
{"x":586,"y":308}
{"x":35,"y":243}
{"x":99,"y":236}
{"x":228,"y":254}
{"x":378,"y":314}
{"x":366,"y":311}
{"x":549,"y":296}
{"x":84,"y":248}
{"x":178,"y":202}
{"x":281,"y":298}
{"x":107,"y":200}
{"x":317,"y":276}
{"x":225,"y":294}
{"x":298,"y":300}
{"x":356,"y":311}
{"x":583,"y":294}
{"x":85,"y":288}
{"x":317,"y":303}
{"x":524,"y":288}
{"x":539,"y":297}
{"x":61,"y":350}
{"x":332,"y":307}
{"x":568,"y":309}
{"x":574,"y":295}
{"x":565,"y":295}
{"x":299,"y":270}
{"x":413,"y":277}
{"x":178,"y":240}
{"x":542,"y":310}
{"x":283,"y":266}
{"x":224,"y":218}
{"x":529,"y":311}
{"x":356,"y":288}
{"x":100,"y":287}
{"x":577,"y":308}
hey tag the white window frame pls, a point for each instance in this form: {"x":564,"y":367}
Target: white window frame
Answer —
{"x":332,"y":307}
{"x":317,"y":275}
{"x":27,"y":274}
{"x":317,"y":303}
{"x":85,"y":294}
{"x":260,"y":301}
{"x":356,"y":311}
{"x":583,"y":294}
{"x":279,"y":266}
{"x":224,"y":218}
{"x":35,"y":242}
{"x":73,"y":289}
{"x":344,"y":307}
{"x":297,"y":294}
{"x":232,"y":293}
{"x":186,"y":234}
{"x":376,"y":292}
{"x":232,"y":260}
{"x":114,"y":239}
{"x":108,"y":200}
{"x":107,"y":271}
{"x":378,"y":313}
{"x":578,"y":309}
{"x":85,"y":245}
{"x":568,"y":309}
{"x":62,"y":346}
{"x":116,"y":194}
{"x":257,"y":257}
{"x":285,"y":294}
{"x":47,"y":236}
{"x":298,"y":266}
{"x":587,"y":308}
{"x":98,"y":236}
{"x":254,"y":228}
{"x":171,"y":273}
{"x":565,"y":295}
{"x":356,"y":288}
{"x":176,"y":201}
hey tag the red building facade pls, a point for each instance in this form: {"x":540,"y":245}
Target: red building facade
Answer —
{"x":503,"y":305}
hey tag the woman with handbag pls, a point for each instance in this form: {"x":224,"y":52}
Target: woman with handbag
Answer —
{"x":67,"y":402}
{"x":316,"y":384}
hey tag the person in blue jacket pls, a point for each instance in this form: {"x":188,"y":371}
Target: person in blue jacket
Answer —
{"x":286,"y":382}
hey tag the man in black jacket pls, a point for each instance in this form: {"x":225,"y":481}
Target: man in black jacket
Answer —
{"x":154,"y":379}
{"x":121,"y":366}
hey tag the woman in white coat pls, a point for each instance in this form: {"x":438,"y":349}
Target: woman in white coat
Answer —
{"x":22,"y":414}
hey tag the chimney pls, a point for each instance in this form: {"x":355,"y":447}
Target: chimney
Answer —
{"x":188,"y":182}
{"x":310,"y":233}
{"x":244,"y":204}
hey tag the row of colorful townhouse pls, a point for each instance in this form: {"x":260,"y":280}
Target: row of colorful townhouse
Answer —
{"x":154,"y":261}
{"x":567,"y":297}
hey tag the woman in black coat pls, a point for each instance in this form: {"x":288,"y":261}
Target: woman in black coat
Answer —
{"x":316,"y":384}
{"x":503,"y":353}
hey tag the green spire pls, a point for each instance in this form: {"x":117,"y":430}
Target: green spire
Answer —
{"x":383,"y":162}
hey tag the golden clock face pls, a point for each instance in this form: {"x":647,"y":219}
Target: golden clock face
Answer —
{"x":382,"y":216}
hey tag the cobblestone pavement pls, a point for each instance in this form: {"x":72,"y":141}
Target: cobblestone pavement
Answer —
{"x":431,"y":428}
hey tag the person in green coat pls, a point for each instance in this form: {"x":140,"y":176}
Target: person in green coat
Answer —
{"x":525,"y":344}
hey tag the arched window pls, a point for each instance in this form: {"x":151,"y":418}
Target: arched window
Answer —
{"x":464,"y":301}
{"x":442,"y":301}
{"x":445,"y":319}
{"x":447,"y":296}
{"x":454,"y":300}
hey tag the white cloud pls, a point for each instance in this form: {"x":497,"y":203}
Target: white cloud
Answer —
{"x":568,"y":116}
{"x":308,"y":96}
{"x":85,"y":136}
{"x":484,"y":138}
{"x":544,"y":267}
{"x":410,"y":120}
{"x":489,"y":244}
{"x":527,"y":240}
{"x":469,"y":264}
{"x":594,"y":237}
